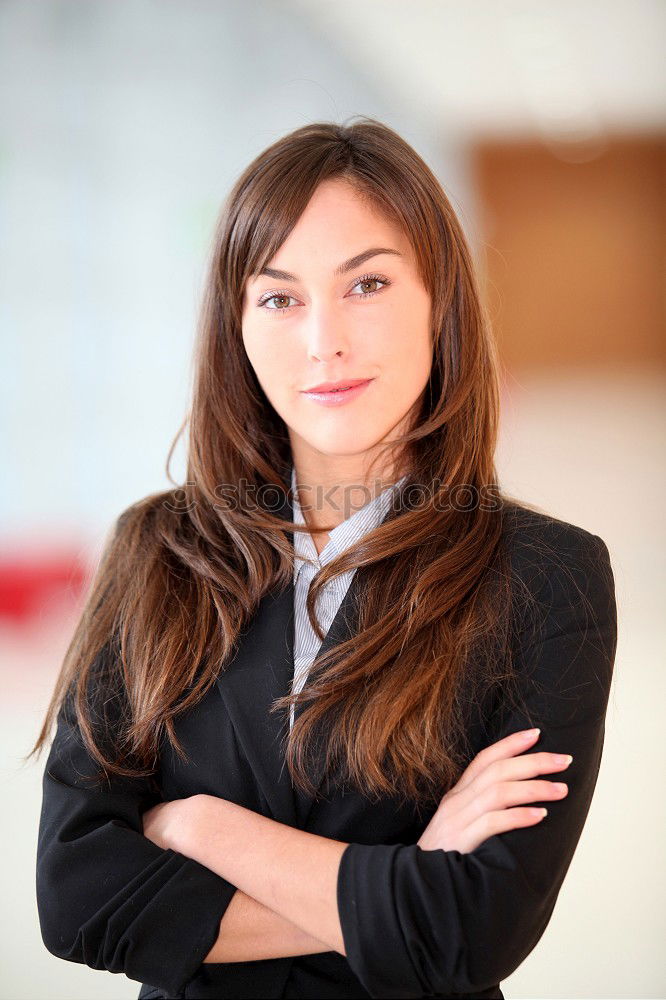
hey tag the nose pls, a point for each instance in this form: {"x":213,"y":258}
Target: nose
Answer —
{"x":325,"y":336}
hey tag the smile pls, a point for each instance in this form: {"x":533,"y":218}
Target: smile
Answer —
{"x":338,"y":397}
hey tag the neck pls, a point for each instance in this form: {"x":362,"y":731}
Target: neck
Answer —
{"x":329,"y":499}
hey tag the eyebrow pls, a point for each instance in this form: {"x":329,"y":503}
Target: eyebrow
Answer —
{"x":347,"y":265}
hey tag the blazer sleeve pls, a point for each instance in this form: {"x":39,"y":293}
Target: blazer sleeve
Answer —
{"x":107,"y":896}
{"x":420,"y":923}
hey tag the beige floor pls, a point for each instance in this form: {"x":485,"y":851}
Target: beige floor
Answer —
{"x":591,"y":451}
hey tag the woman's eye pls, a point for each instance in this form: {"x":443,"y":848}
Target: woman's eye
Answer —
{"x":277,"y":296}
{"x":368,"y":279}
{"x":371,"y":280}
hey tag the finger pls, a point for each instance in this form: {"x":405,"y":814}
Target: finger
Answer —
{"x":500,"y":821}
{"x":526,"y":766}
{"x":509,"y":746}
{"x":504,"y":795}
{"x":514,"y":769}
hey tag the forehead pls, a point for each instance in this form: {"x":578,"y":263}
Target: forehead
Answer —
{"x":339,"y":230}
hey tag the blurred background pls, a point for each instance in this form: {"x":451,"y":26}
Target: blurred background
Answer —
{"x":122,"y":127}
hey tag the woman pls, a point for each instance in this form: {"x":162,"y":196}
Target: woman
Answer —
{"x":224,"y":814}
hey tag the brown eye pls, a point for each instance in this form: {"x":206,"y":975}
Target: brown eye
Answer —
{"x":276,"y":295}
{"x":371,"y":279}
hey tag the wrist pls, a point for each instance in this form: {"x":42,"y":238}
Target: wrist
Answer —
{"x":199,"y":826}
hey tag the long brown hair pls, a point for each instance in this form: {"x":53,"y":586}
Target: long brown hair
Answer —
{"x":182,"y":573}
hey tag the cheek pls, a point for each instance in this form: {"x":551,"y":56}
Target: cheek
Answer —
{"x":270,"y":359}
{"x":407,"y":361}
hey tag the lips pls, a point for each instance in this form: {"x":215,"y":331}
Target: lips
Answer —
{"x":337,"y":386}
{"x":341,"y":394}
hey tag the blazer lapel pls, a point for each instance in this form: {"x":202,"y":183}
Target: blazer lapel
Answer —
{"x":342,"y":627}
{"x":261,"y":670}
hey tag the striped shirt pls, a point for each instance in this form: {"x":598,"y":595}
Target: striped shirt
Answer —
{"x":307,"y":562}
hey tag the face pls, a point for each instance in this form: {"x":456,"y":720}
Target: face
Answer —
{"x":323,"y":324}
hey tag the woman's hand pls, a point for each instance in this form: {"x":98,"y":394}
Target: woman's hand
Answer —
{"x":477,"y":807}
{"x":167,"y":823}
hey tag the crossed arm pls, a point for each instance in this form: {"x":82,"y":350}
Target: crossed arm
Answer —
{"x":286,"y":901}
{"x":250,"y":931}
{"x":421,"y":921}
{"x":289,"y":877}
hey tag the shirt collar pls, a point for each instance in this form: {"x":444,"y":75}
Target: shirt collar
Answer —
{"x":345,"y":534}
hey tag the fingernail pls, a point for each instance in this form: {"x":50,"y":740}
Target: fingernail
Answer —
{"x":563,"y":758}
{"x":529,"y":733}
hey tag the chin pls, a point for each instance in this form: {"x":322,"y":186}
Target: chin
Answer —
{"x":343,"y":443}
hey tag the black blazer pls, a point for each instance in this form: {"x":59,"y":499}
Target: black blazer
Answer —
{"x":415,"y":923}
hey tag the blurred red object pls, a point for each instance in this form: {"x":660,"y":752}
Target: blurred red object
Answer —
{"x":31,"y":585}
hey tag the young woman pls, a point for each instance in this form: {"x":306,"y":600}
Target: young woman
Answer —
{"x":292,"y":756}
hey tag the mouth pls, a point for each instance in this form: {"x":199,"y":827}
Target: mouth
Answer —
{"x":335,"y":394}
{"x":335,"y":386}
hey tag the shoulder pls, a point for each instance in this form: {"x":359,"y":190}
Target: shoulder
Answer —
{"x":541,"y":547}
{"x":561,"y":575}
{"x":564,"y":614}
{"x":526,"y":527}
